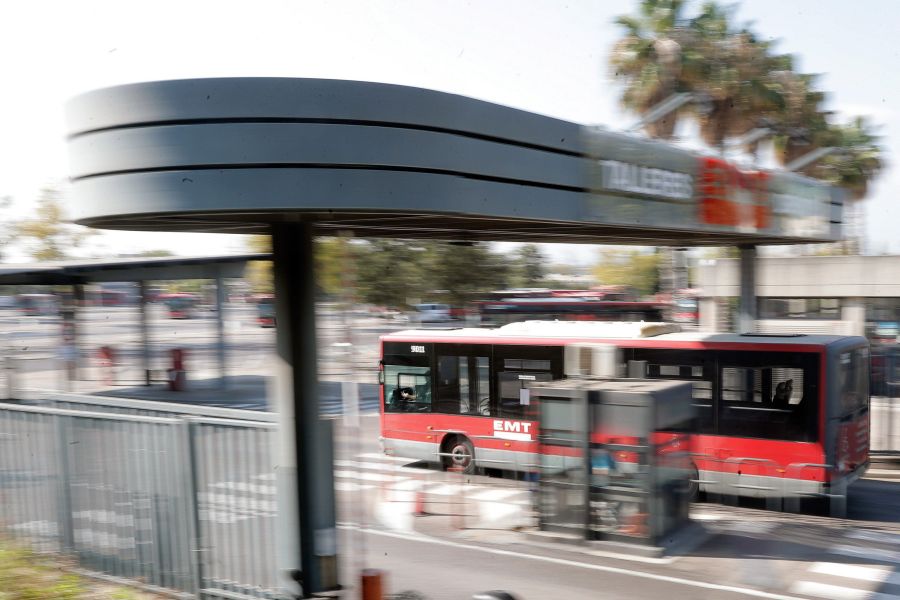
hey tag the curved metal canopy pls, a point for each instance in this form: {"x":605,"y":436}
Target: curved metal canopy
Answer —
{"x":235,"y":155}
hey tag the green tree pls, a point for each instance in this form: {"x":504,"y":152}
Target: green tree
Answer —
{"x":650,"y":60}
{"x":529,"y":266}
{"x":460,"y":272}
{"x":259,"y":272}
{"x":636,"y":268}
{"x":390,"y":272}
{"x":48,"y":235}
{"x":743,"y":84}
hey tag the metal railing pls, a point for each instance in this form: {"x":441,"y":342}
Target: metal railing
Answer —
{"x":185,"y":503}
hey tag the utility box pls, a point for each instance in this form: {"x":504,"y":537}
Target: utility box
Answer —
{"x":615,"y":457}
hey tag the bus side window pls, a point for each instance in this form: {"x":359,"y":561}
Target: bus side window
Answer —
{"x":514,"y":399}
{"x":694,"y":366}
{"x":768,"y":402}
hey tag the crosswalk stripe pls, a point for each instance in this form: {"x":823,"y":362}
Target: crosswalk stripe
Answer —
{"x":349,"y":486}
{"x":379,"y":466}
{"x":495,"y":495}
{"x":874,"y":536}
{"x":868,"y":553}
{"x":852,"y":571}
{"x":384,"y":457}
{"x":828,"y":591}
{"x":366,"y":476}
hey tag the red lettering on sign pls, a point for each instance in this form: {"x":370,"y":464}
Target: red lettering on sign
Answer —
{"x":731,"y":197}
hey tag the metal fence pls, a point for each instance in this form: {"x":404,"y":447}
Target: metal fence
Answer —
{"x":181,"y":502}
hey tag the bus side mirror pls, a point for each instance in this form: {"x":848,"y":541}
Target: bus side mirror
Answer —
{"x":381,"y":376}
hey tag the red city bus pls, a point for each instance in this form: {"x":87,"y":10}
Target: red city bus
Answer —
{"x":778,"y":416}
{"x":38,"y":304}
{"x":265,"y":310}
{"x":180,"y":305}
{"x":503,"y":312}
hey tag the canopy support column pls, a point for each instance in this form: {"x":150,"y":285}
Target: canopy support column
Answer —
{"x":746,"y":321}
{"x":145,"y":331}
{"x":220,"y":327}
{"x":305,"y":477}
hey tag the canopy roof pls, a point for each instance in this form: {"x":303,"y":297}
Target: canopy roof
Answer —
{"x":237,"y":154}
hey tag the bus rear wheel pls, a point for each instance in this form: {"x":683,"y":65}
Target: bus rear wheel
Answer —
{"x":459,"y":455}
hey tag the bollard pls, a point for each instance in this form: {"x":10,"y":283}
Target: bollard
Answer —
{"x":420,"y":503}
{"x":372,"y":586}
{"x":177,"y":374}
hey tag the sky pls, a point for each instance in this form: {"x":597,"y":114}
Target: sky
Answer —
{"x":547,"y":57}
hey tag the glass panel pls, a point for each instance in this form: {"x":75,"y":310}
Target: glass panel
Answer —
{"x":407,"y":388}
{"x":853,"y":379}
{"x":483,"y":385}
{"x":449,"y":397}
{"x":800,"y":308}
{"x":767,"y":402}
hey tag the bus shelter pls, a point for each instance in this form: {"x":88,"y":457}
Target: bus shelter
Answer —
{"x":296,"y":158}
{"x":76,"y":274}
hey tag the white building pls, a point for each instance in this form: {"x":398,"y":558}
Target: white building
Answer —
{"x":846,"y":295}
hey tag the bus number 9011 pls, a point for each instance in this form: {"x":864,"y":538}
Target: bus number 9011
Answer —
{"x":417,"y":349}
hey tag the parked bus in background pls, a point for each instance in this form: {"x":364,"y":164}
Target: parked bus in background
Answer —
{"x":105,"y":297}
{"x":571,"y":308}
{"x":38,"y":304}
{"x":778,"y":416}
{"x":686,"y":306}
{"x":265,"y":310}
{"x":180,"y":305}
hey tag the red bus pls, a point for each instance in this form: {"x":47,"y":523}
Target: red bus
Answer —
{"x":686,"y":306}
{"x":778,"y":416}
{"x":265,"y":310}
{"x":180,"y":305}
{"x":38,"y":304}
{"x":572,"y":308}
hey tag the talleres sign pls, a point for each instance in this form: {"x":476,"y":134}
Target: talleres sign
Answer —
{"x":635,"y":181}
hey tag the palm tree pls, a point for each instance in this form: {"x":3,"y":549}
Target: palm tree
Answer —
{"x":852,"y":167}
{"x":649,"y":58}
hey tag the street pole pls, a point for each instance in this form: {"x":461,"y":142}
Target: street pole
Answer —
{"x":145,"y":332}
{"x":747,"y":304}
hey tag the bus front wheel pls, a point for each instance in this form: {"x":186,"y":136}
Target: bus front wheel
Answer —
{"x":459,"y":455}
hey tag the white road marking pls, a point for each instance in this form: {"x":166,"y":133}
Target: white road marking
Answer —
{"x":388,"y":467}
{"x":443,"y":489}
{"x":828,"y":591}
{"x":385,"y":457}
{"x":572,"y":563}
{"x":368,"y":476}
{"x":349,"y":486}
{"x":874,"y":536}
{"x":877,"y":574}
{"x":706,"y":517}
{"x":759,"y":527}
{"x":495,"y":495}
{"x":868,"y":553}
